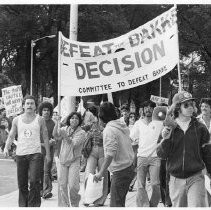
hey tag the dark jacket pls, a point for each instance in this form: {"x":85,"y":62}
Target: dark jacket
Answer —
{"x":185,"y":152}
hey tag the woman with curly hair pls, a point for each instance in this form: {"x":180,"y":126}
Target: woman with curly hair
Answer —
{"x":72,"y":137}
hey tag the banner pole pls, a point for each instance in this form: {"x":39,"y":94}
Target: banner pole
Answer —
{"x":73,"y":36}
{"x":178,"y":64}
{"x":59,"y":75}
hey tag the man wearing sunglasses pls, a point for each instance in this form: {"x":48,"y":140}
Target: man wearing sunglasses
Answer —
{"x":188,"y":152}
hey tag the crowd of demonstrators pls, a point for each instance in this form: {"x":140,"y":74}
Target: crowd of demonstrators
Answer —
{"x":30,"y":128}
{"x":96,"y":157}
{"x":122,"y":151}
{"x":72,"y":137}
{"x":187,"y":150}
{"x":46,"y":111}
{"x":119,"y":155}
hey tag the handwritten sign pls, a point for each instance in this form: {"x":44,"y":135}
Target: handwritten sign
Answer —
{"x":50,"y":100}
{"x":159,"y":100}
{"x":12,"y":97}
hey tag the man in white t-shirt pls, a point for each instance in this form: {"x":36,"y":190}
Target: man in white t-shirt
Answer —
{"x":30,"y":128}
{"x":147,"y":135}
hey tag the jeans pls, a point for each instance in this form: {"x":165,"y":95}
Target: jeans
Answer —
{"x":69,"y":177}
{"x":95,"y":160}
{"x":164,"y":184}
{"x":189,"y":192}
{"x":152,"y":166}
{"x":120,"y":183}
{"x":46,"y":179}
{"x":29,"y":165}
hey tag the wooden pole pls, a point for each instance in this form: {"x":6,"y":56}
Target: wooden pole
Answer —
{"x":73,"y":36}
{"x":59,"y":76}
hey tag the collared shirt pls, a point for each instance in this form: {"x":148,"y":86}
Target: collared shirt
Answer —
{"x":146,"y":136}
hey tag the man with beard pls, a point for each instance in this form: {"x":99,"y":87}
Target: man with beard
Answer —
{"x":145,"y":133}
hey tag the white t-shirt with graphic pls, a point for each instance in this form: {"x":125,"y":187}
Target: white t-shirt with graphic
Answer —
{"x":28,"y":137}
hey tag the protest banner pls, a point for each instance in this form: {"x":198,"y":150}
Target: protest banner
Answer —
{"x":149,"y":52}
{"x":1,"y":103}
{"x":50,"y":100}
{"x":159,"y":100}
{"x":12,"y":97}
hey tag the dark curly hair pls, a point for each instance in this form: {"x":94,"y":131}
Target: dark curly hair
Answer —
{"x":43,"y":105}
{"x":107,"y":112}
{"x":70,"y":116}
{"x":148,"y":103}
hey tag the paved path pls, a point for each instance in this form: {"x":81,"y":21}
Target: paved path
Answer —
{"x":11,"y":199}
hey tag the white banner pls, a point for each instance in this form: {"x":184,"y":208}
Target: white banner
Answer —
{"x":12,"y":97}
{"x":134,"y":59}
{"x":159,"y":100}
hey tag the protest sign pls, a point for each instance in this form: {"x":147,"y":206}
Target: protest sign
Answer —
{"x":141,"y":56}
{"x":159,"y":100}
{"x":50,"y":100}
{"x":12,"y":97}
{"x":1,"y":103}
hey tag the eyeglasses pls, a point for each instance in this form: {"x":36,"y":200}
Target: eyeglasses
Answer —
{"x":132,"y":116}
{"x":187,"y":104}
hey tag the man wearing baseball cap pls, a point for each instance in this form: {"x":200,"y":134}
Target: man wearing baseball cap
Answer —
{"x":188,"y":152}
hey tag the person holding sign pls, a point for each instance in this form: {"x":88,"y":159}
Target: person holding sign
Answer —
{"x":30,"y":128}
{"x":187,"y":149}
{"x":119,"y":155}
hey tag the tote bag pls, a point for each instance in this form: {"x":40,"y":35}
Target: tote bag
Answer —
{"x":94,"y":190}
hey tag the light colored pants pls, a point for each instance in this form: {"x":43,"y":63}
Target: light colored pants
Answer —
{"x":57,"y":166}
{"x":152,"y":166}
{"x":189,"y":192}
{"x":69,"y":177}
{"x":95,"y":161}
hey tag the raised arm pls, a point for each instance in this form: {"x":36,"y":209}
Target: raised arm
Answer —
{"x":11,"y":136}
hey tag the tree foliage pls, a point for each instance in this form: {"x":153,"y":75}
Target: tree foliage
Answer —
{"x":19,"y":24}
